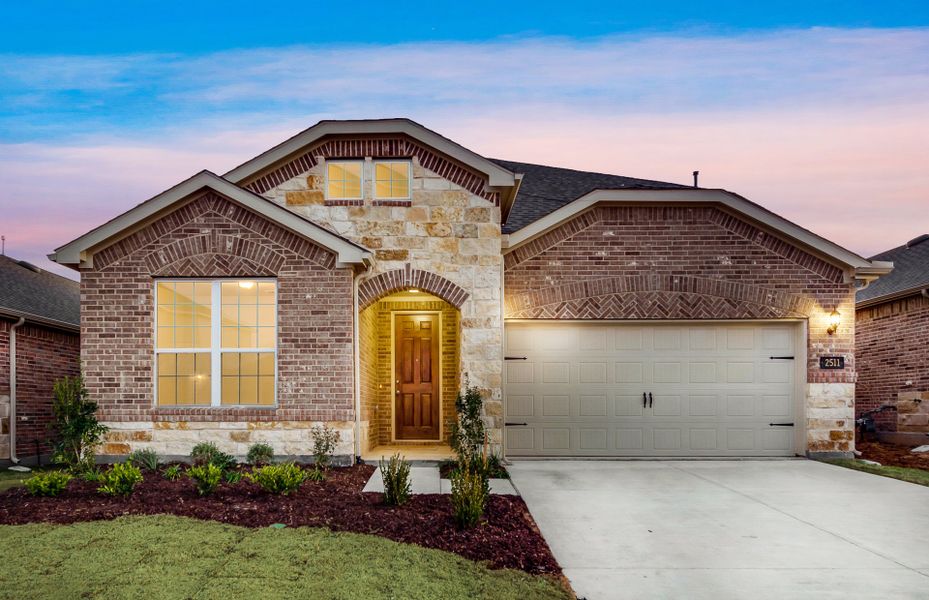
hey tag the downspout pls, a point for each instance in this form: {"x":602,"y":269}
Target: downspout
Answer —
{"x":356,"y":377}
{"x":13,"y":328}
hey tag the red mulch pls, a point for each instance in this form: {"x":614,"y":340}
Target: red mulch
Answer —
{"x":892,"y":455}
{"x":506,"y":538}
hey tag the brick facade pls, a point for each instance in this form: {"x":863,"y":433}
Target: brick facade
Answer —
{"x":892,"y":341}
{"x":43,"y":355}
{"x":676,"y":262}
{"x":214,"y":237}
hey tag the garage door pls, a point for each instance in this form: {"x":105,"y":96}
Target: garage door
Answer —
{"x":610,"y":389}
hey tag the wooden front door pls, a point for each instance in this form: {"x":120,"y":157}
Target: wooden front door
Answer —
{"x":416,"y":351}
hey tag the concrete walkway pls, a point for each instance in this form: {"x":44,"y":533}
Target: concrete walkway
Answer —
{"x":729,"y":529}
{"x":426,"y":480}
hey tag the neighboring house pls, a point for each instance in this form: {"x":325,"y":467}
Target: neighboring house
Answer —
{"x":361,"y":272}
{"x":39,"y":344}
{"x":892,"y":336}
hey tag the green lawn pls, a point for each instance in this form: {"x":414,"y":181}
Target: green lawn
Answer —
{"x":172,"y":557}
{"x":11,"y":479}
{"x":918,"y":476}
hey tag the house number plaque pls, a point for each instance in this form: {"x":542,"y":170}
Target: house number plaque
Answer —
{"x":831,"y":362}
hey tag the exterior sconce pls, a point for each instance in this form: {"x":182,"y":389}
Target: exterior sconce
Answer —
{"x":834,"y":320}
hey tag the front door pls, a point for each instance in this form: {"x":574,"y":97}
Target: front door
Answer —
{"x":416,"y":352}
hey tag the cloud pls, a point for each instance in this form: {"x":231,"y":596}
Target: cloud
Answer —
{"x":825,"y":126}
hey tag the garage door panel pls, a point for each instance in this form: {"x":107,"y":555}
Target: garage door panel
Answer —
{"x":714,"y":389}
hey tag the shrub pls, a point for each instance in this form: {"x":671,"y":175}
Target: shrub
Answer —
{"x":92,"y":475}
{"x":75,"y":421}
{"x":233,"y":477}
{"x":120,"y":479}
{"x":467,"y":431}
{"x":396,"y":476}
{"x":315,"y":474}
{"x":173,"y":473}
{"x":49,"y":483}
{"x":208,"y":453}
{"x":144,"y":459}
{"x":470,"y":489}
{"x":260,"y":454}
{"x":324,"y":442}
{"x":279,"y":479}
{"x":206,"y":477}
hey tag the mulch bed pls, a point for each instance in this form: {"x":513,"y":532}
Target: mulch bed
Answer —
{"x":892,"y":455}
{"x":506,"y":538}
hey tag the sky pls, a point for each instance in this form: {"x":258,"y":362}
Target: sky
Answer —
{"x":817,"y":110}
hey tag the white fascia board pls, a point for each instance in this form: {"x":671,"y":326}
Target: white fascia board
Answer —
{"x":497,"y":175}
{"x":76,"y":252}
{"x":732,"y":201}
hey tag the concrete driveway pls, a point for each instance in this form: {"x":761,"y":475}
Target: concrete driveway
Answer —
{"x":729,"y":529}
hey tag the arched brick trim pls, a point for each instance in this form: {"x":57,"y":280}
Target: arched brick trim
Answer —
{"x":657,"y":297}
{"x":387,"y":147}
{"x":373,"y":289}
{"x":217,"y":255}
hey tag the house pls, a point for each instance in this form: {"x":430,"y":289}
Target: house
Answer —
{"x":39,"y":344}
{"x":892,"y":337}
{"x":361,"y":272}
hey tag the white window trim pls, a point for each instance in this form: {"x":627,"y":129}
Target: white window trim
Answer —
{"x":409,"y":178}
{"x":361,"y":187}
{"x":216,"y":350}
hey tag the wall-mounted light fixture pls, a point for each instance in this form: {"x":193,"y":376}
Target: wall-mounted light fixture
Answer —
{"x":834,"y":320}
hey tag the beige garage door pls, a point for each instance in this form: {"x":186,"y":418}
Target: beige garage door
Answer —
{"x":611,"y":389}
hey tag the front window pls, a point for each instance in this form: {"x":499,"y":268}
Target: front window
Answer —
{"x":392,"y":179}
{"x":344,"y":179}
{"x":216,"y":342}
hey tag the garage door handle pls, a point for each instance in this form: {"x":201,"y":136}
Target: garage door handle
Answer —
{"x":516,"y":424}
{"x":644,"y":399}
{"x":781,"y":357}
{"x":515,"y":358}
{"x":780,"y":424}
{"x":651,"y":400}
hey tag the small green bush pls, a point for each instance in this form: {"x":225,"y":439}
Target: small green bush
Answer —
{"x":75,"y":424}
{"x":233,"y":477}
{"x":92,"y":475}
{"x":144,"y":459}
{"x":279,"y":479}
{"x":49,"y":483}
{"x":120,"y":479}
{"x":325,"y":440}
{"x":208,"y":453}
{"x":470,"y":489}
{"x":467,"y":430}
{"x":396,"y":476}
{"x":206,"y":477}
{"x":315,"y":474}
{"x":260,"y":454}
{"x":173,"y":473}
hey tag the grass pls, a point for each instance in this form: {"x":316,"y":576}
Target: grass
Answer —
{"x":917,"y":476}
{"x":165,"y":557}
{"x":11,"y":479}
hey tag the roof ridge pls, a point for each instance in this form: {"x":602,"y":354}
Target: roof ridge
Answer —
{"x":601,"y":173}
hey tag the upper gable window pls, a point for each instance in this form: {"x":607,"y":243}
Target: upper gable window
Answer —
{"x":392,"y":179}
{"x":344,"y":179}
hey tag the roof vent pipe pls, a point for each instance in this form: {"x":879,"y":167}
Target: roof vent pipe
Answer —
{"x":696,"y":175}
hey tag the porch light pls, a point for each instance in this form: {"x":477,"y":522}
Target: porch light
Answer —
{"x":834,"y":319}
{"x":246,"y":285}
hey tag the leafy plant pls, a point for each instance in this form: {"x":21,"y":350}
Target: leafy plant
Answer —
{"x":173,"y":473}
{"x":91,"y":475}
{"x":470,"y":489}
{"x":233,"y":477}
{"x":75,"y":421}
{"x":396,"y":476}
{"x":144,"y":459}
{"x":315,"y":474}
{"x":279,"y":479}
{"x":49,"y":483}
{"x":467,"y":431}
{"x":260,"y":454}
{"x":208,"y":453}
{"x":206,"y":477}
{"x":325,"y":440}
{"x":120,"y":479}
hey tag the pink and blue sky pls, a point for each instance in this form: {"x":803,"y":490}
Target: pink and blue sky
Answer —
{"x":819,"y":111}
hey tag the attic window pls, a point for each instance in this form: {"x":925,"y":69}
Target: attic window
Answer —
{"x":392,"y":179}
{"x":344,"y":179}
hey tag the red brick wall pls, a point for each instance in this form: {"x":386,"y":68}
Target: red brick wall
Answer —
{"x":43,"y":356}
{"x":676,"y":262}
{"x":892,"y":341}
{"x":214,"y":237}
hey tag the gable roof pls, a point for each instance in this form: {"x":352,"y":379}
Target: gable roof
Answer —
{"x":910,"y":274}
{"x":545,"y":189}
{"x":80,"y":251}
{"x":39,"y":296}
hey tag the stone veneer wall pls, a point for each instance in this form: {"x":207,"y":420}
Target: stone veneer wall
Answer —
{"x":892,"y":341}
{"x":445,"y":229}
{"x":675,"y":262}
{"x":214,"y":237}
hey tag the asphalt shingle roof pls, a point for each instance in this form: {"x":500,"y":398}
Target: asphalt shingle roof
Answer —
{"x":546,"y":189}
{"x":911,"y":270}
{"x":30,"y":291}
